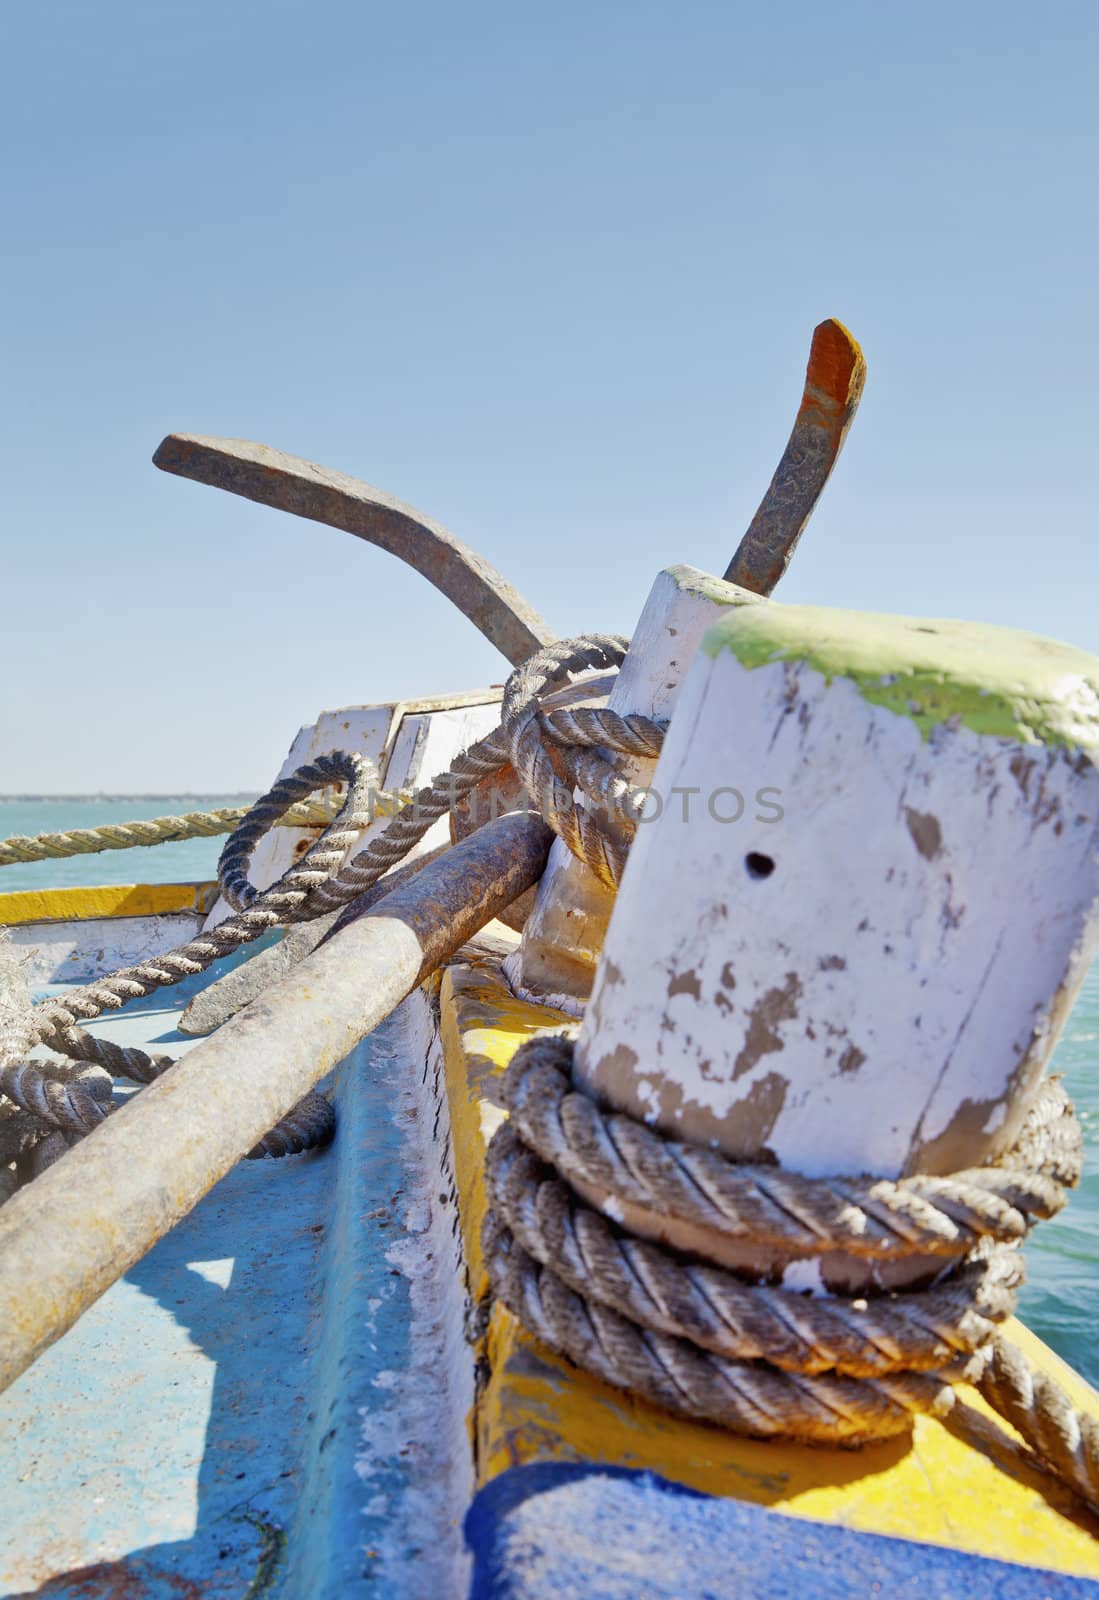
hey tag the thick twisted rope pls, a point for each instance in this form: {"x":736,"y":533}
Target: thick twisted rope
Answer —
{"x":766,"y":1361}
{"x":875,"y":1218}
{"x":322,"y":882}
{"x":148,"y":831}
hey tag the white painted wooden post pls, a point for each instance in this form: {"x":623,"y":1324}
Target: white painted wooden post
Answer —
{"x":564,"y":932}
{"x":857,"y":951}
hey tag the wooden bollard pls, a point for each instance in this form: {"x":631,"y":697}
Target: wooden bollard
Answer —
{"x":565,"y":930}
{"x":867,"y":972}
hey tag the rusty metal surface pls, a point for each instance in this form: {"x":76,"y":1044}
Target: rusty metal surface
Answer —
{"x":833,"y":387}
{"x":59,"y":1252}
{"x":288,"y":483}
{"x":229,"y":994}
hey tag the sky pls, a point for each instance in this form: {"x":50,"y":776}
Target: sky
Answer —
{"x":549,"y":274}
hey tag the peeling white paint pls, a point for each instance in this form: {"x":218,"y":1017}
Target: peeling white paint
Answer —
{"x":512,"y":971}
{"x":647,"y":1099}
{"x":804,"y":1277}
{"x":419,"y":1419}
{"x":903,"y":968}
{"x":566,"y":928}
{"x":75,"y":952}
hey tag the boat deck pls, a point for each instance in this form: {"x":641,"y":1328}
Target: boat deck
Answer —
{"x":282,"y":1399}
{"x":253,"y":1409}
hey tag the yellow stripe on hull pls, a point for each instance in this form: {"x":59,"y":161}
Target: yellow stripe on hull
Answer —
{"x":967,"y":1483}
{"x":113,"y":900}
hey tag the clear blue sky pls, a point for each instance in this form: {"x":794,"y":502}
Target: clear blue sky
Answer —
{"x":547,"y":272}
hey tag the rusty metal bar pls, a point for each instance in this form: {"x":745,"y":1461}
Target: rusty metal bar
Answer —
{"x":288,"y":483}
{"x":833,"y":387}
{"x":66,"y":1237}
{"x":226,"y":996}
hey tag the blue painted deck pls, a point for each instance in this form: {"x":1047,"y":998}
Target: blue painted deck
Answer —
{"x":206,"y":1427}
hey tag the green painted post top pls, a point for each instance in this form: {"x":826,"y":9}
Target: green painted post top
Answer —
{"x":996,"y":681}
{"x":691,"y":580}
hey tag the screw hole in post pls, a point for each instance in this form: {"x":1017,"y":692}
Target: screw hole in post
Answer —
{"x":759,"y":866}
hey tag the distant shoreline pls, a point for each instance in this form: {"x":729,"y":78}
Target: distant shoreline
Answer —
{"x":236,"y":796}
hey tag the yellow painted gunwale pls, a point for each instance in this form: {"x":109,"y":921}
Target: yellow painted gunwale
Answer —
{"x":967,"y":1483}
{"x":111,"y":900}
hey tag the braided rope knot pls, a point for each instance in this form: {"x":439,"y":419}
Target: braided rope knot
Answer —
{"x":760,"y":1359}
{"x":556,"y":752}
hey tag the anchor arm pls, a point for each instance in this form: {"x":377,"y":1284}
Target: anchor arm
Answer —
{"x":288,"y":483}
{"x":834,"y":381}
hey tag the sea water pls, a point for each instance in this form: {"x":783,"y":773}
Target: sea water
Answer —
{"x":1060,"y":1301}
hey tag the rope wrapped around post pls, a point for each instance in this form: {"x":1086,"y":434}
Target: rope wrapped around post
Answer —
{"x":760,"y":1360}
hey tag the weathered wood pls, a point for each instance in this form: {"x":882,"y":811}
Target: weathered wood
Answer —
{"x":857,"y":951}
{"x":565,"y":930}
{"x":408,"y":742}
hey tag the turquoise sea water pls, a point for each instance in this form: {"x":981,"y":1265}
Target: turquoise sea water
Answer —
{"x":1061,"y":1299}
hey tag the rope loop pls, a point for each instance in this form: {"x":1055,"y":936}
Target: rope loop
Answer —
{"x":321,"y":861}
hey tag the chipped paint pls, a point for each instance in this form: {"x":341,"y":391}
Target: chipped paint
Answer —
{"x":927,"y":835}
{"x":903,"y":970}
{"x":413,"y":1461}
{"x":482,"y":1025}
{"x":773,"y":1007}
{"x":566,"y":929}
{"x":112,"y":900}
{"x":74,"y":952}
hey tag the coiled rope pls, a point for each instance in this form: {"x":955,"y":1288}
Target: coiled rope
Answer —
{"x":764,"y":1361}
{"x":57,"y":1105}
